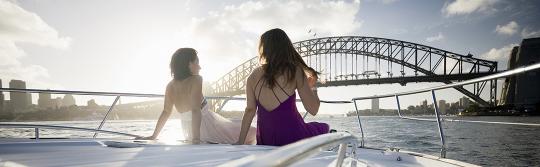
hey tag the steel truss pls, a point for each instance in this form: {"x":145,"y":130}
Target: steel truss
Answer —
{"x":357,"y":60}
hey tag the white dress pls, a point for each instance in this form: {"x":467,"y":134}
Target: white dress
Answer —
{"x":216,"y":128}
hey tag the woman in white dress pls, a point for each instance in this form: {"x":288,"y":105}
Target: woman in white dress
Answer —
{"x":184,"y":92}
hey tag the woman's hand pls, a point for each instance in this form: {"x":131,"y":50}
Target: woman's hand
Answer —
{"x":312,"y":80}
{"x":196,"y":141}
{"x":312,"y":77}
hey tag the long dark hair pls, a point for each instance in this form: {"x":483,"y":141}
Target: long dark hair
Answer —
{"x":277,"y":50}
{"x":180,"y":63}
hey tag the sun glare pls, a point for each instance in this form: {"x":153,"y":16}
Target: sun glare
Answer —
{"x":172,"y":132}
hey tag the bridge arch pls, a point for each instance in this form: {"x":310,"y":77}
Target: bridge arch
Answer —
{"x":338,"y":58}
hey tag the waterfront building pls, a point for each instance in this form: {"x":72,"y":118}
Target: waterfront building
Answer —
{"x":92,"y":103}
{"x":45,"y":101}
{"x":464,"y":102}
{"x":375,"y":105}
{"x":509,"y":85}
{"x":522,"y":90}
{"x":68,"y":101}
{"x":424,"y":104}
{"x":1,"y":99}
{"x":19,"y":101}
{"x":57,"y":103}
{"x":527,"y":90}
{"x":443,"y":106}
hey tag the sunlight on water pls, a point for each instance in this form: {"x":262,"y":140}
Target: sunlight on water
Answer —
{"x":172,"y":132}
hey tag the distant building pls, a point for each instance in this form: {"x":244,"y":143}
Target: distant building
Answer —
{"x":454,"y":105}
{"x":509,"y":85}
{"x":7,"y":106}
{"x":2,"y":102}
{"x":92,"y":103}
{"x":57,"y":103}
{"x":443,"y":108}
{"x":19,"y":101}
{"x":68,"y":100}
{"x":375,"y":105}
{"x":424,"y":104}
{"x":464,"y":102}
{"x":523,"y":90}
{"x":527,"y":89}
{"x":45,"y":101}
{"x":1,"y":99}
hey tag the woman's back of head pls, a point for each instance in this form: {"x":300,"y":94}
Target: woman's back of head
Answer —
{"x":278,"y":56}
{"x":180,"y":63}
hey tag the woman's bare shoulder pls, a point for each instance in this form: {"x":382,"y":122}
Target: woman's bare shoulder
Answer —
{"x":256,"y":73}
{"x":299,"y":73}
{"x":170,"y":85}
{"x":192,"y":79}
{"x":196,"y":79}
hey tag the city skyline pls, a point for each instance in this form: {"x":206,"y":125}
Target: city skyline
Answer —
{"x":127,"y":49}
{"x":45,"y":100}
{"x":22,"y":102}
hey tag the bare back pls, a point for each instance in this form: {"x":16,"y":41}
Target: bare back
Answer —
{"x":184,"y":95}
{"x":271,"y":98}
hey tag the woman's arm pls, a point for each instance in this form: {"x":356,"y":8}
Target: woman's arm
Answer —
{"x":167,"y":109}
{"x":249,"y":112}
{"x":308,"y":91}
{"x":196,"y":99}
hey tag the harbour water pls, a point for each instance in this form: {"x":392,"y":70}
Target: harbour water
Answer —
{"x":481,"y":144}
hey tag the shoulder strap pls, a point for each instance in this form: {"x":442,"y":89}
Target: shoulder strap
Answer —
{"x":281,"y":89}
{"x":260,"y":89}
{"x":255,"y":88}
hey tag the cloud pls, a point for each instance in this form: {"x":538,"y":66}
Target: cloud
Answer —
{"x":509,"y":29}
{"x":439,"y":37}
{"x":230,"y":36}
{"x":21,"y":26}
{"x":527,"y":33}
{"x":463,"y":7}
{"x":501,"y":55}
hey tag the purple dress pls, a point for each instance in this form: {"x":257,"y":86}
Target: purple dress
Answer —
{"x":284,"y":125}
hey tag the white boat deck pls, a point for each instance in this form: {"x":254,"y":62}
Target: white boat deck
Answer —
{"x":88,"y":152}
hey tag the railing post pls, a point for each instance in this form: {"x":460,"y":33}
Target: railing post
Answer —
{"x":441,"y":134}
{"x":106,"y":115}
{"x":359,"y":123}
{"x":305,"y":115}
{"x":36,"y":133}
{"x":341,"y":154}
{"x":222,"y":105}
{"x":398,"y":106}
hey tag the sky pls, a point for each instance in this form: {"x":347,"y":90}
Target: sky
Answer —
{"x":126,"y":45}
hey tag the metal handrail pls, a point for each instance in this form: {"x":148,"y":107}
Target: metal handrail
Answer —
{"x":289,"y":154}
{"x":118,"y":95}
{"x":37,"y":126}
{"x":432,"y":89}
{"x":485,"y":78}
{"x":133,"y":94}
{"x":78,"y":92}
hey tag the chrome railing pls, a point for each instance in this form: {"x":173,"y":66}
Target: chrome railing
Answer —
{"x":98,"y":129}
{"x":437,"y":114}
{"x":354,"y":100}
{"x":38,"y":126}
{"x":118,"y":95}
{"x":292,"y":153}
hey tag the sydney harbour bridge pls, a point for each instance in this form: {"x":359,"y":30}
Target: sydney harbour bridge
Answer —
{"x":359,"y":60}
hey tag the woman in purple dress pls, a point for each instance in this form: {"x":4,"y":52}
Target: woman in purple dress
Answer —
{"x":271,"y":94}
